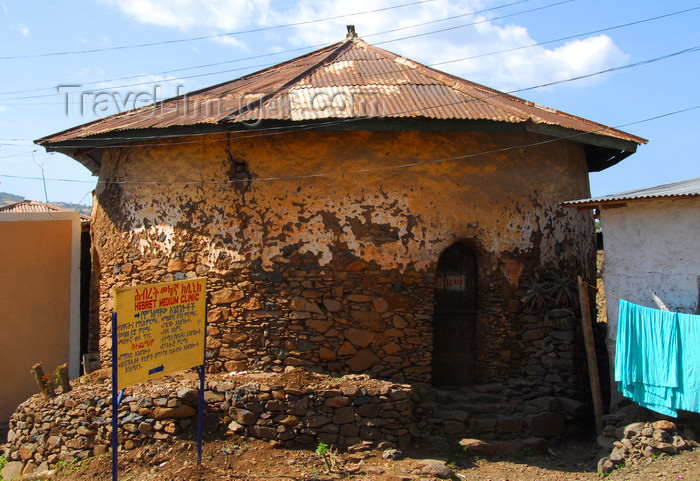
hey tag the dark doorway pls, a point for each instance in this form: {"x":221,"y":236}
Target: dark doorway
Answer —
{"x":454,"y":323}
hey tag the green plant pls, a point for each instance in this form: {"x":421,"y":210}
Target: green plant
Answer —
{"x":537,"y":295}
{"x":3,"y":463}
{"x":528,"y":451}
{"x":330,"y":457}
{"x":562,"y":289}
{"x":322,"y":449}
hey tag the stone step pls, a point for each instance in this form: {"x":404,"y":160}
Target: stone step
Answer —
{"x":467,"y":411}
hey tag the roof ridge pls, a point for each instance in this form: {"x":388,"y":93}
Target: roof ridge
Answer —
{"x":336,"y":50}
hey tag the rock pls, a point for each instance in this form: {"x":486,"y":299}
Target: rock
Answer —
{"x":29,"y":468}
{"x":332,"y":305}
{"x":632,"y":430}
{"x":547,"y":425}
{"x":344,"y":415}
{"x":494,"y":387}
{"x":605,"y":442}
{"x":188,"y":395}
{"x":359,"y":337}
{"x":12,"y":470}
{"x":380,"y":305}
{"x":235,"y":427}
{"x":393,"y":454}
{"x":680,"y":443}
{"x":537,"y":445}
{"x":661,"y":446}
{"x":438,"y":469}
{"x":180,"y":412}
{"x":618,"y":454}
{"x":145,"y":428}
{"x":665,"y":425}
{"x":509,"y":425}
{"x":245,"y":417}
{"x":319,"y":325}
{"x":363,"y":360}
{"x":26,"y":451}
{"x":226,"y":296}
{"x":605,"y":466}
{"x":532,"y":334}
{"x":301,"y":304}
{"x":477,"y":447}
{"x":572,"y":407}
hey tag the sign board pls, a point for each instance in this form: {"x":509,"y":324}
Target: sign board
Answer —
{"x":450,"y":281}
{"x":160,"y":329}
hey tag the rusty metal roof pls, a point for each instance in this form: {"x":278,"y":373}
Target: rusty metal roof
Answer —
{"x":31,"y":206}
{"x":682,"y":189}
{"x":344,"y":82}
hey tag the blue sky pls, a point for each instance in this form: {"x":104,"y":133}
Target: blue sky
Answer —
{"x":43,"y":45}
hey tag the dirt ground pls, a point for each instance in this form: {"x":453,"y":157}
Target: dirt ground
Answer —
{"x":233,"y":458}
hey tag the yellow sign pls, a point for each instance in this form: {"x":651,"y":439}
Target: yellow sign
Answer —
{"x":159,"y":329}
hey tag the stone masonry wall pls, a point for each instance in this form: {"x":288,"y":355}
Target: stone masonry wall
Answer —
{"x":335,"y":273}
{"x":295,"y":408}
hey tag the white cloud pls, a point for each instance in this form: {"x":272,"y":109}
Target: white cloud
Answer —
{"x":523,"y":67}
{"x":519,"y":68}
{"x":21,"y":28}
{"x":215,"y":15}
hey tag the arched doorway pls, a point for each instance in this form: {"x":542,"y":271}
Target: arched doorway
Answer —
{"x":454,"y":322}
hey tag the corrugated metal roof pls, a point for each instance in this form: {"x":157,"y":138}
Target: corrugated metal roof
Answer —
{"x":30,"y":206}
{"x":338,"y":82}
{"x":683,"y":188}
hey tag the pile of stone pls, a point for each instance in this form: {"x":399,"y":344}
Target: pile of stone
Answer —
{"x":638,"y":441}
{"x":285,"y":409}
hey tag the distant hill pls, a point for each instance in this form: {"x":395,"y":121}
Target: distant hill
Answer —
{"x":7,"y":199}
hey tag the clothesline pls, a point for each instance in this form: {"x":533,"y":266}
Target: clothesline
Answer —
{"x":604,"y":291}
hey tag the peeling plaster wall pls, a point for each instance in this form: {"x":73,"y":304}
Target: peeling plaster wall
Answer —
{"x":336,"y":270}
{"x":651,"y":248}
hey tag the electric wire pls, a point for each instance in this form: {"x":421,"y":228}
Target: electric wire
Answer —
{"x":308,"y":47}
{"x":364,"y":170}
{"x":187,"y":77}
{"x":546,"y":42}
{"x":315,"y":125}
{"x":219,"y":35}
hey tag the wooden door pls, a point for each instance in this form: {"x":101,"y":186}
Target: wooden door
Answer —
{"x":454,"y":323}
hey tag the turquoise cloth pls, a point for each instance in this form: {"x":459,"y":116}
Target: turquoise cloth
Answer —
{"x":688,"y":392}
{"x":657,"y":358}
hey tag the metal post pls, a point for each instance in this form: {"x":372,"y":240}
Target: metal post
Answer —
{"x":200,"y":407}
{"x":115,"y":403}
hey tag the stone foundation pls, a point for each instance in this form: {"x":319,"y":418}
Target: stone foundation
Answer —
{"x":294,"y":408}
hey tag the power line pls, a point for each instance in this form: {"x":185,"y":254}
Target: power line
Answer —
{"x":304,"y":48}
{"x":476,"y":12}
{"x":302,"y":126}
{"x":220,"y":35}
{"x":546,"y":42}
{"x":365,"y":170}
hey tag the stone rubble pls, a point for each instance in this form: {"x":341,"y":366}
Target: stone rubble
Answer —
{"x":641,"y":440}
{"x":299,"y":409}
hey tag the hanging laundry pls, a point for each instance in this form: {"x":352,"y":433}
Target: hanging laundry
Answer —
{"x":688,"y":392}
{"x":657,"y":358}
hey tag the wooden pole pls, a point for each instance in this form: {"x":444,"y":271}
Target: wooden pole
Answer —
{"x":45,"y":385}
{"x":591,"y":355}
{"x":62,"y":374}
